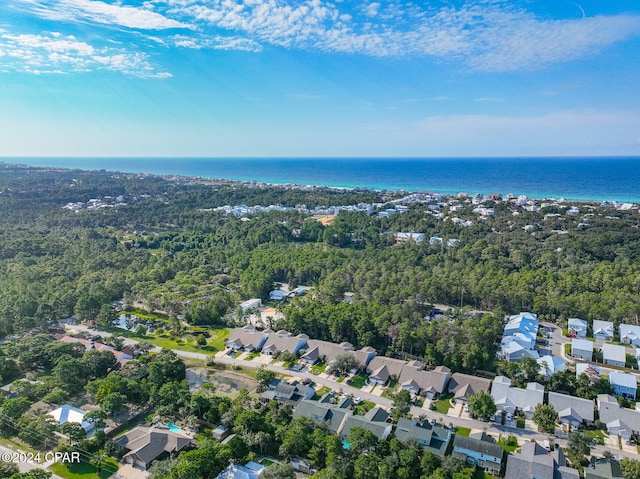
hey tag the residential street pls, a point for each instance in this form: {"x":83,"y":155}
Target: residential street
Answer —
{"x":491,"y":428}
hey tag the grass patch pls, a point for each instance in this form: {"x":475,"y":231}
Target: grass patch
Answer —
{"x":596,"y":436}
{"x":340,"y":379}
{"x":567,"y":349}
{"x":267,"y":462}
{"x":510,"y":443}
{"x":321,"y":392}
{"x":359,"y":381}
{"x":145,"y":314}
{"x":463,"y":431}
{"x":84,"y":470}
{"x":442,"y":405}
{"x":520,"y":423}
{"x":214,"y":344}
{"x":318,"y":369}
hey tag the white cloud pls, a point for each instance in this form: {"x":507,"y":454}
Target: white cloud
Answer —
{"x":103,"y":13}
{"x":55,"y":53}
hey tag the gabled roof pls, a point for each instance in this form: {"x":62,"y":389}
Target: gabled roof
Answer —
{"x":380,"y":429}
{"x":433,"y":437}
{"x":604,"y":469}
{"x":332,"y":415}
{"x":610,"y":411}
{"x":629,"y":331}
{"x":149,"y":443}
{"x":434,"y":381}
{"x":582,"y":345}
{"x":602,"y":327}
{"x":566,"y":406}
{"x":536,"y":461}
{"x":550,"y":365}
{"x":478,"y":445}
{"x":393,"y":366}
{"x":506,"y":396}
{"x":70,"y":414}
{"x":626,"y":380}
{"x":577,"y":324}
{"x":614,"y":352}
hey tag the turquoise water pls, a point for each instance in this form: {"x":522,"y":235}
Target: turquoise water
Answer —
{"x":172,"y":427}
{"x":572,"y":178}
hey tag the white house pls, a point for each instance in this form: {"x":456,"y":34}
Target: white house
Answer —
{"x":614,"y":354}
{"x":255,"y":303}
{"x":620,"y":421}
{"x":578,"y":327}
{"x":69,"y":414}
{"x":550,"y":365}
{"x":510,"y":399}
{"x":630,"y":334}
{"x":624,"y":384}
{"x":582,"y":348}
{"x":602,"y":330}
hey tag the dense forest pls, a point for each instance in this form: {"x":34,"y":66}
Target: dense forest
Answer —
{"x":156,"y":241}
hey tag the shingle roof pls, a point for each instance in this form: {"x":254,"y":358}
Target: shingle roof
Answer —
{"x":478,"y":445}
{"x":148,"y":443}
{"x":583,"y":407}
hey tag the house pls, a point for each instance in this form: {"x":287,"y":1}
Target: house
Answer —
{"x":317,"y":350}
{"x":251,"y":470}
{"x":550,"y":365}
{"x":288,"y":393}
{"x":463,"y":386}
{"x":247,"y":338}
{"x":374,"y":421}
{"x":479,"y":450}
{"x":417,"y":381}
{"x":220,"y":433}
{"x":333,"y":416}
{"x":578,"y":327}
{"x":536,"y":462}
{"x":602,"y":330}
{"x":582,"y":348}
{"x":525,"y":323}
{"x":278,"y":295}
{"x":604,"y":469}
{"x":630,"y":334}
{"x":592,"y":371}
{"x":510,"y":399}
{"x":302,"y":465}
{"x":431,"y":436}
{"x":409,"y":238}
{"x":614,"y":354}
{"x":620,"y":421}
{"x":70,"y":414}
{"x":572,"y":410}
{"x":282,"y":341}
{"x":147,"y":444}
{"x":381,"y":369}
{"x":251,"y":304}
{"x":624,"y":384}
{"x":511,"y":349}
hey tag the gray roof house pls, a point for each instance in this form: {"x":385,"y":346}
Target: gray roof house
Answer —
{"x":375,"y":421}
{"x":572,"y":410}
{"x":333,"y":415}
{"x":464,"y":385}
{"x":630,"y":334}
{"x":535,"y":461}
{"x":513,"y":350}
{"x":317,"y":350}
{"x":604,"y":469}
{"x":381,"y":369}
{"x":480,"y":450}
{"x":578,"y":327}
{"x":416,"y":380}
{"x":582,"y":348}
{"x":282,"y":341}
{"x":510,"y":399}
{"x":288,"y":393}
{"x":146,"y":444}
{"x":614,"y":354}
{"x":603,"y":330}
{"x":620,"y":421}
{"x":247,"y":338}
{"x":431,"y":436}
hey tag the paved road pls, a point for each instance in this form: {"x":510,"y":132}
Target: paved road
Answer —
{"x":556,"y":342}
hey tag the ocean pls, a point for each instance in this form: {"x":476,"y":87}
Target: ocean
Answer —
{"x":585,"y":179}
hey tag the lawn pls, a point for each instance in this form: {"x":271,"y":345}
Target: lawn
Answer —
{"x":594,"y":435}
{"x":463,"y":431}
{"x":318,"y":369}
{"x":321,"y":392}
{"x":84,"y":470}
{"x":214,"y":344}
{"x":359,"y":381}
{"x":520,"y":423}
{"x":510,"y":443}
{"x":442,"y":405}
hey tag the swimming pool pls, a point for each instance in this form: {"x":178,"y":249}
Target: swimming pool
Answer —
{"x":173,"y":428}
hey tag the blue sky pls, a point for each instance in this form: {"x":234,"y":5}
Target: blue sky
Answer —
{"x":319,"y":78}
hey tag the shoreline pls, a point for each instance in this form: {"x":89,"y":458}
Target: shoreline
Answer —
{"x":346,"y":185}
